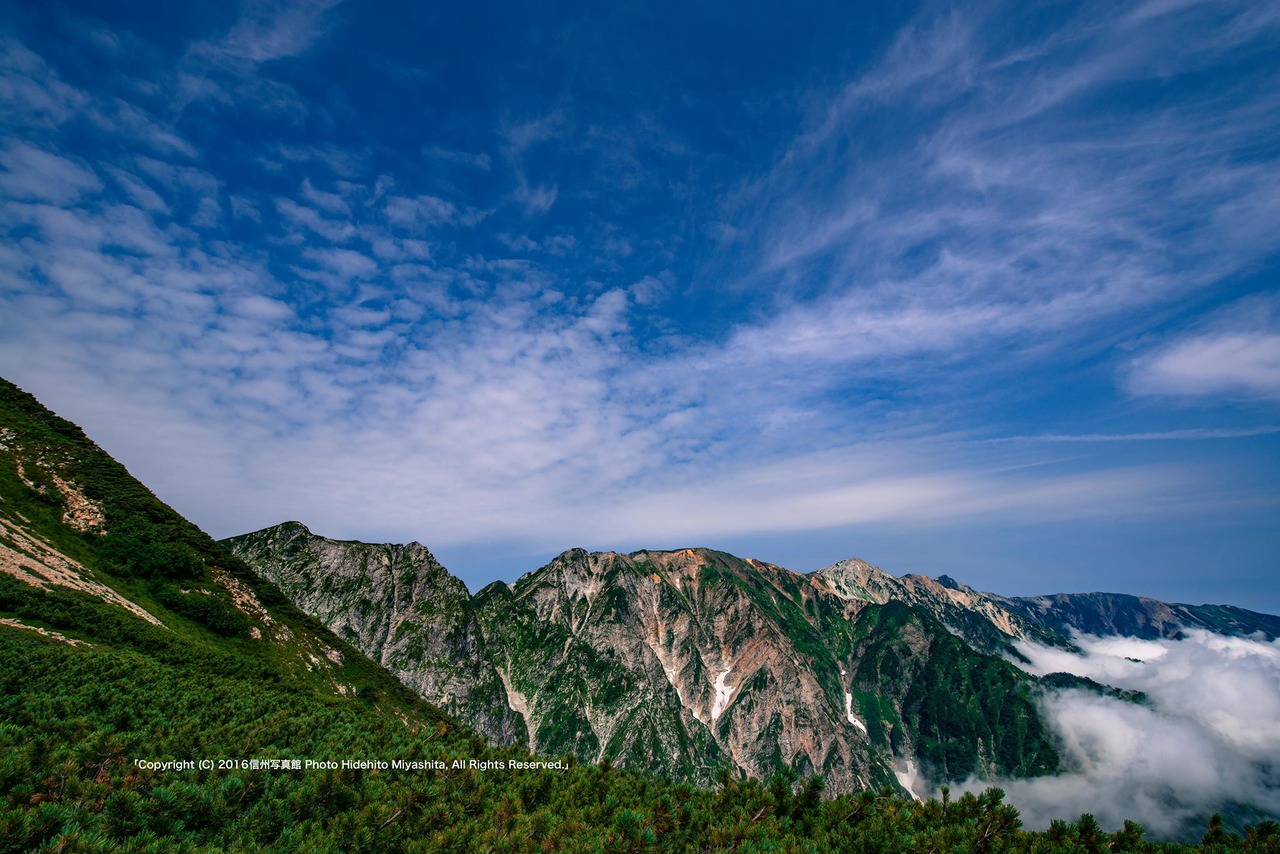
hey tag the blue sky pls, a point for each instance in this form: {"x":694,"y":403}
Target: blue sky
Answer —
{"x":988,"y":290}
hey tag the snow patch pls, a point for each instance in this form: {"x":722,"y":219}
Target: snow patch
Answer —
{"x":908,"y":777}
{"x":671,"y":677}
{"x":723,"y":693}
{"x":848,"y":712}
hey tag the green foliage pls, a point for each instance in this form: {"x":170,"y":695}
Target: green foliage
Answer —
{"x":133,"y":547}
{"x":1062,"y":681}
{"x":952,"y":699}
{"x":212,"y":611}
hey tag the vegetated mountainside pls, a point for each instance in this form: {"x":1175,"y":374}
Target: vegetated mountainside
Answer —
{"x":404,"y":610}
{"x":685,"y":662}
{"x":127,"y":634}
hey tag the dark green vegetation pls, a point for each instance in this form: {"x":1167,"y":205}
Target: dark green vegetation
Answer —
{"x":952,"y":701}
{"x":236,"y":673}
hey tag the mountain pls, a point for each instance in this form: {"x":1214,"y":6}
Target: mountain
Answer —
{"x":683,"y":662}
{"x":1109,"y":614}
{"x":402,"y":609}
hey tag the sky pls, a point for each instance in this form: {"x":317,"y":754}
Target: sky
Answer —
{"x":985,"y":289}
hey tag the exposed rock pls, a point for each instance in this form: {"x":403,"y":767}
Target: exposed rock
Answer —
{"x":35,"y":561}
{"x":399,"y":607}
{"x":80,"y":512}
{"x":58,"y":636}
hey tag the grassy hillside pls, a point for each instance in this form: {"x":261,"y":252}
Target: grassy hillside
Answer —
{"x":229,"y":672}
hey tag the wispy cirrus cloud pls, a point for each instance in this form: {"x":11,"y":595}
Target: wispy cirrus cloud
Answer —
{"x":274,"y":29}
{"x":1004,"y":204}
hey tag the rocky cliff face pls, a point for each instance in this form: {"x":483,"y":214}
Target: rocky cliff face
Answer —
{"x":398,"y":606}
{"x":686,"y":662}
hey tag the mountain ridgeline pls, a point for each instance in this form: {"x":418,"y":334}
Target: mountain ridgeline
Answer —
{"x":684,"y":662}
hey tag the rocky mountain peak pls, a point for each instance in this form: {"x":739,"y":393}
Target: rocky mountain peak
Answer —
{"x":854,"y":578}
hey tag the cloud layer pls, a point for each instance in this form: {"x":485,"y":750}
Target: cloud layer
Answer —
{"x":1208,"y":740}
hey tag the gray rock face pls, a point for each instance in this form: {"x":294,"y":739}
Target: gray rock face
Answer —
{"x":400,"y":607}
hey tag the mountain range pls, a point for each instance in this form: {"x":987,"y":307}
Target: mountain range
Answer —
{"x":687,"y":661}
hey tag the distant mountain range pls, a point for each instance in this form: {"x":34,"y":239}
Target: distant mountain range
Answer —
{"x":684,"y":662}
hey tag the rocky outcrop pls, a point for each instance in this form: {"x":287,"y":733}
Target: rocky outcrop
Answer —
{"x":398,"y":606}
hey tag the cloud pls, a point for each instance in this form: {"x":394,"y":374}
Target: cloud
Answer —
{"x":420,"y":212}
{"x":32,"y":95}
{"x":523,"y":135}
{"x":535,"y":200}
{"x":271,"y":29}
{"x":480,"y":161}
{"x":227,"y":70}
{"x":1209,"y":739}
{"x":1232,"y":352}
{"x":33,"y":174}
{"x":970,"y":197}
{"x":871,"y":484}
{"x":1193,"y":434}
{"x":1245,"y":364}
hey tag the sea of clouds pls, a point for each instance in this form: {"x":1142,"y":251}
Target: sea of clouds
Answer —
{"x":1206,"y":740}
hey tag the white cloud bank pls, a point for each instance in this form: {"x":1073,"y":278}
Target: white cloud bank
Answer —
{"x":1208,"y":739}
